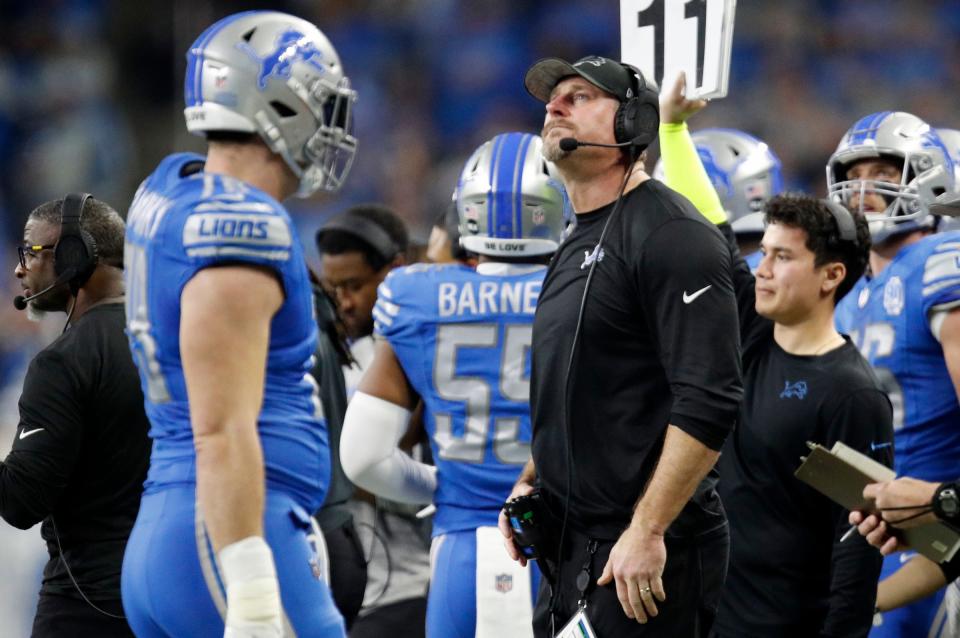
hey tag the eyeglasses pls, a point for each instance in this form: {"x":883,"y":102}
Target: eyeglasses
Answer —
{"x":31,"y":251}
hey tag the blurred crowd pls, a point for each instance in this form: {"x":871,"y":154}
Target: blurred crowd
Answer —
{"x":89,"y":99}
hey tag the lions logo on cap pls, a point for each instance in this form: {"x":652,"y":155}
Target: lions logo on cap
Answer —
{"x":594,"y":61}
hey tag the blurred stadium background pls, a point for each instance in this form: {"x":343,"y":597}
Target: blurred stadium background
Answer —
{"x":90,"y":98}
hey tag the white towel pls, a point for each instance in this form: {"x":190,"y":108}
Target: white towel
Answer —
{"x":503,"y":590}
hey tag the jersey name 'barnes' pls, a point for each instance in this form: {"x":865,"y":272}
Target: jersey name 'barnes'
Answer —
{"x":467,"y":297}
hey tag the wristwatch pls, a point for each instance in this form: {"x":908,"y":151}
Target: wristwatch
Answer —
{"x":946,"y":503}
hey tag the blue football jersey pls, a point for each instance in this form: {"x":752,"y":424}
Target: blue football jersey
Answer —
{"x":463,"y":340}
{"x":182,"y":220}
{"x":888,"y":317}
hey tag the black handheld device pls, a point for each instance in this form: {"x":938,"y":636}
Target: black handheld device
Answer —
{"x":531,"y":533}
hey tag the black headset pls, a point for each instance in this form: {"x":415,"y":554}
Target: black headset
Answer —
{"x":637,"y":120}
{"x":75,"y":255}
{"x":846,"y":225}
{"x":369,"y":232}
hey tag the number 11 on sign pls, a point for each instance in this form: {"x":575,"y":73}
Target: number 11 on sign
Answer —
{"x":663,"y":37}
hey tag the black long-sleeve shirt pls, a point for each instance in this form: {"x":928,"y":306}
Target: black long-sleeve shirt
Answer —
{"x":81,"y":453}
{"x":658,"y":346}
{"x":789,"y":574}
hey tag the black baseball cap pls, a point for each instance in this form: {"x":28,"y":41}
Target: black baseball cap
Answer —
{"x":604,"y":73}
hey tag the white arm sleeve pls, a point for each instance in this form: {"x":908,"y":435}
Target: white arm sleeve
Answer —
{"x":370,"y":457}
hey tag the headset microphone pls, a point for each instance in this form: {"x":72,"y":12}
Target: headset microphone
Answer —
{"x":571,"y":144}
{"x":20,"y":302}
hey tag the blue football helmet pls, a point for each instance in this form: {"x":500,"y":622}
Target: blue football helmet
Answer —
{"x":743,"y":170}
{"x":510,"y":201}
{"x":925,"y":165}
{"x":278,"y":76}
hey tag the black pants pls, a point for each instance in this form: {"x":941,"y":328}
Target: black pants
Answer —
{"x":407,"y":618}
{"x":692,"y":579}
{"x":68,"y":617}
{"x":348,"y":570}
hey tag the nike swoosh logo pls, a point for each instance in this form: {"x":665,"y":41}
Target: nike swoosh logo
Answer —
{"x":25,"y":433}
{"x":689,"y":298}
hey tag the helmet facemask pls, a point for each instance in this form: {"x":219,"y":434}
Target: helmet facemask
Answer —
{"x":329,"y":152}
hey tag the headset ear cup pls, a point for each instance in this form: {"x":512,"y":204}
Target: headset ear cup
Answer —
{"x":78,"y":253}
{"x":647,"y":124}
{"x":638,"y":120}
{"x":91,"y":258}
{"x":76,"y":249}
{"x":67,"y":254}
{"x":624,"y":122}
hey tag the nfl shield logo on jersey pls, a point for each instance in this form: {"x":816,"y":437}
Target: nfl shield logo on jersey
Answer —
{"x":504,"y":583}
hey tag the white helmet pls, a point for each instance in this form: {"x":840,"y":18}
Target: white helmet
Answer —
{"x":276,"y":75}
{"x":926,"y":168}
{"x":509,"y":201}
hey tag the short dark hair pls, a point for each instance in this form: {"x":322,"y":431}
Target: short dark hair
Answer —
{"x":336,"y":241}
{"x":99,"y":220}
{"x":823,"y":236}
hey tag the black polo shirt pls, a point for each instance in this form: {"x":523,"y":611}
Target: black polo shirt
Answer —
{"x":659,"y":345}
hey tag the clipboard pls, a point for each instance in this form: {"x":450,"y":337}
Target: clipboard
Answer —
{"x":841,"y":473}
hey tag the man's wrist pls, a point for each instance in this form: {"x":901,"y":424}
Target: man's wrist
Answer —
{"x":672,"y":127}
{"x":946,"y":502}
{"x":645,"y":525}
{"x":522,"y":484}
{"x":246,"y":559}
{"x":527,"y":477}
{"x":250,"y":579}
